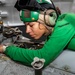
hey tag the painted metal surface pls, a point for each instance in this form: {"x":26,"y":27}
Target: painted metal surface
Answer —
{"x":61,"y":66}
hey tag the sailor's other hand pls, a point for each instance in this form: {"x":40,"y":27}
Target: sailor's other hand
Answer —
{"x":58,"y":10}
{"x":1,"y":48}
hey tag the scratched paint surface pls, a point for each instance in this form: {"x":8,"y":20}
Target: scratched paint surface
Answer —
{"x":9,"y":67}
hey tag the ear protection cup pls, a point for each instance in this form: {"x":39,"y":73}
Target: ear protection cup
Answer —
{"x":52,"y":18}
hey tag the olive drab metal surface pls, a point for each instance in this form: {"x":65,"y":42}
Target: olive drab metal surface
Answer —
{"x":64,"y":64}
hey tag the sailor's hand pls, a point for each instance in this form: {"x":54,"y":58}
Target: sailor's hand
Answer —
{"x":1,"y":49}
{"x":58,"y":10}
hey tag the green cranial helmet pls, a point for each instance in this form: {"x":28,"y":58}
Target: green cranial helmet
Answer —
{"x":27,"y":15}
{"x":44,"y":1}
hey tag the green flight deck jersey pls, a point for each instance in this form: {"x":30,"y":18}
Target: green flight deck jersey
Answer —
{"x":63,"y":36}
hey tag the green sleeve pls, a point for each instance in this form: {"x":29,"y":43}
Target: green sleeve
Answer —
{"x":71,"y":45}
{"x":60,"y":37}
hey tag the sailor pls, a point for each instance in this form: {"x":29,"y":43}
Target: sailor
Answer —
{"x":42,"y":19}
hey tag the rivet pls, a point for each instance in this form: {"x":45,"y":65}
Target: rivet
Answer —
{"x":33,"y":19}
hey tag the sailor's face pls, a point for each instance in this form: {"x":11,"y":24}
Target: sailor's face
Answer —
{"x":35,"y":29}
